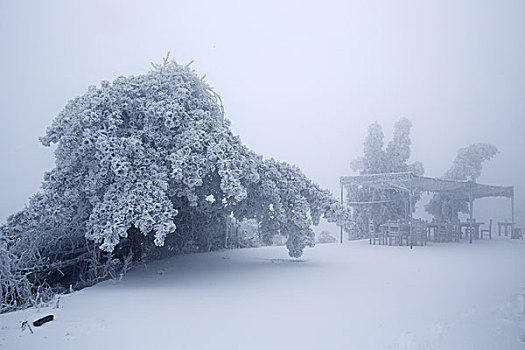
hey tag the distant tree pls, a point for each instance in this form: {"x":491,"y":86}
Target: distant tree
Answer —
{"x":397,"y":155}
{"x":373,"y":160}
{"x":466,"y":166}
{"x":377,"y":160}
{"x":469,"y":161}
{"x":398,"y":149}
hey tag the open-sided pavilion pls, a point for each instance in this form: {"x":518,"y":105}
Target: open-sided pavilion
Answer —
{"x":410,"y":183}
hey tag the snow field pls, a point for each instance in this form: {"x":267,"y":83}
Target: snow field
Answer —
{"x":350,"y":296}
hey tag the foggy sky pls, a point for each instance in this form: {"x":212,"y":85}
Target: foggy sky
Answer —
{"x":300,"y":81}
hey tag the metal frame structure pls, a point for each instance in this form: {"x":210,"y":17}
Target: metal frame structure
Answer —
{"x":410,"y":183}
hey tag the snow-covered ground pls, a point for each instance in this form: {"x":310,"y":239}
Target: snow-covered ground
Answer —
{"x":350,"y":296}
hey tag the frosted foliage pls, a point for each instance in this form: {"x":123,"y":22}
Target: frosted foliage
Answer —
{"x":287,"y":202}
{"x":377,"y":160}
{"x":132,"y":144}
{"x":30,"y":242}
{"x":469,"y":161}
{"x":373,"y":150}
{"x":398,"y":150}
{"x":122,"y":144}
{"x":148,"y":153}
{"x":416,"y":168}
{"x":466,"y":166}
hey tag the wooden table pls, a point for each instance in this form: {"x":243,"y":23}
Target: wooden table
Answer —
{"x":442,"y":232}
{"x":506,"y":226}
{"x":467,"y":224}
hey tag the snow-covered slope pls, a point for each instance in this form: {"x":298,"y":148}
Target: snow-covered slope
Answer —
{"x":350,"y":296}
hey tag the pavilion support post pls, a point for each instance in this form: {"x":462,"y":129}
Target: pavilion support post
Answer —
{"x":342,"y":199}
{"x":471,"y":210}
{"x":410,"y":210}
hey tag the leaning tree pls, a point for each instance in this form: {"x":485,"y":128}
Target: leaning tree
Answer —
{"x":146,"y":166}
{"x":466,"y":166}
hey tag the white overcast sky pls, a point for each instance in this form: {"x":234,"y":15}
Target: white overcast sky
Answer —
{"x":300,"y":80}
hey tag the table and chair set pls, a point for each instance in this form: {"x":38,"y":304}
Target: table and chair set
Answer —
{"x":409,"y":186}
{"x":399,"y":232}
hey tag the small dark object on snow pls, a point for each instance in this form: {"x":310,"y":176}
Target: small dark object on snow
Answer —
{"x":25,"y":325}
{"x":43,"y":320}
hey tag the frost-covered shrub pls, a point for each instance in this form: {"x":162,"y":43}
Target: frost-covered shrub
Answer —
{"x":326,"y":237}
{"x":148,"y":165}
{"x":14,"y":287}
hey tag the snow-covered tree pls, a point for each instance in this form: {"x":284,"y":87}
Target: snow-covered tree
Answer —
{"x":147,"y":164}
{"x":398,"y":149}
{"x":377,"y":160}
{"x":373,"y":160}
{"x":466,"y":166}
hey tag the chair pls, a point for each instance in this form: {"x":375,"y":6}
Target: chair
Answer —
{"x":488,"y":231}
{"x":516,"y":233}
{"x":419,"y":232}
{"x":454,"y":232}
{"x":405,"y":234}
{"x":374,"y":235}
{"x":443,"y":232}
{"x":395,"y":236}
{"x":396,"y":232}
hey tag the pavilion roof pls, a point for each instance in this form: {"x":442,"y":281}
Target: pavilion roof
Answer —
{"x":408,"y":181}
